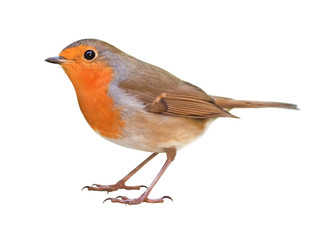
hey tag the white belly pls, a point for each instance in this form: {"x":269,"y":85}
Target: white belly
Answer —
{"x":155,"y":132}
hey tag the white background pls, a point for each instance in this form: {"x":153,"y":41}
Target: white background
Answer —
{"x":260,"y":177}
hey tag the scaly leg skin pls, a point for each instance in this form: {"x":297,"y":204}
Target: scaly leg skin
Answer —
{"x":171,"y":152}
{"x":134,"y":201}
{"x":121,"y":184}
{"x":113,"y":187}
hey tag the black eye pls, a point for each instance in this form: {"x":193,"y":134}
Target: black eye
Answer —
{"x":89,"y":55}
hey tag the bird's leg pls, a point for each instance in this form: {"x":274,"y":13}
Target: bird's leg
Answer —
{"x":121,"y":183}
{"x":171,"y":152}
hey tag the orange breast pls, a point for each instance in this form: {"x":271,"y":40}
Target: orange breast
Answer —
{"x":91,"y":83}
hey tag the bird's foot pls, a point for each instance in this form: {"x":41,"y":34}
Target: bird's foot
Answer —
{"x":136,"y":201}
{"x":111,"y":188}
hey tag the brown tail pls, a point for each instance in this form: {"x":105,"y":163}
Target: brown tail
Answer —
{"x":228,"y":103}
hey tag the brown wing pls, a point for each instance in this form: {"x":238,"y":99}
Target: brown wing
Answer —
{"x":163,"y":93}
{"x":186,"y":100}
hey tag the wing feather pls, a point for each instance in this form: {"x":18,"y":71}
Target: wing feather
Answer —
{"x":163,"y":93}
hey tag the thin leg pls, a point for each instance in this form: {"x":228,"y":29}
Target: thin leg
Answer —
{"x":121,"y":183}
{"x":171,"y":152}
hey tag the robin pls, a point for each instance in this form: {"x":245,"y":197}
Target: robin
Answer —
{"x":141,"y":106}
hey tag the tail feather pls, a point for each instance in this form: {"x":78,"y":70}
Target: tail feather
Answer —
{"x":228,"y":103}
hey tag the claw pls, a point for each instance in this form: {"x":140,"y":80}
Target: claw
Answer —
{"x":107,"y":199}
{"x":111,"y":188}
{"x":121,"y":197}
{"x":135,"y":201}
{"x":167,"y":198}
{"x":85,"y":187}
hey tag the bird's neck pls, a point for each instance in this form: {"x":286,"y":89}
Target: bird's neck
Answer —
{"x":98,"y":108}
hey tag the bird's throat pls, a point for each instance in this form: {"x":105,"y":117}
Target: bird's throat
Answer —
{"x":92,"y":86}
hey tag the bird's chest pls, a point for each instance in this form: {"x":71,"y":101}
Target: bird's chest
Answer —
{"x":101,"y":114}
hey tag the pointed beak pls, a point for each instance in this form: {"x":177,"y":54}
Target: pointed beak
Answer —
{"x":57,"y":60}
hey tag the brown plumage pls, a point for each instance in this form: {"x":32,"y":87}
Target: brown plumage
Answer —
{"x":141,"y":106}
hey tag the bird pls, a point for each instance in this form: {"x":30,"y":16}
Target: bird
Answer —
{"x":141,"y":106}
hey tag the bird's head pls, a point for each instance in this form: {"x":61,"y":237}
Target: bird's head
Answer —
{"x":88,"y":63}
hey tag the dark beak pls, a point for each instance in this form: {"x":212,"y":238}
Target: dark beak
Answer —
{"x":57,"y":60}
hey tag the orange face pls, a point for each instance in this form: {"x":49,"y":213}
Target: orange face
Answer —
{"x":90,"y":76}
{"x":84,"y":68}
